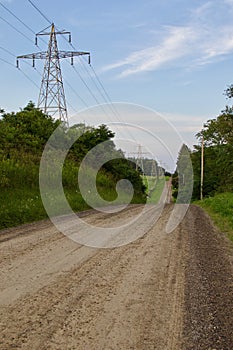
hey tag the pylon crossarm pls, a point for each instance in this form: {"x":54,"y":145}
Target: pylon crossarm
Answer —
{"x":52,"y":94}
{"x":45,"y":32}
{"x":60,"y":54}
{"x":56,"y":32}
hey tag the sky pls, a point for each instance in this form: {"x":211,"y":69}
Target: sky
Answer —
{"x":167,"y":60}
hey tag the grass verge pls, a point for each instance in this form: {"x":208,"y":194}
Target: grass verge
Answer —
{"x":220,"y":209}
{"x":23,"y":204}
{"x":154,"y":188}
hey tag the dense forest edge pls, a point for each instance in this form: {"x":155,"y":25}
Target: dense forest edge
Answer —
{"x":23,"y":136}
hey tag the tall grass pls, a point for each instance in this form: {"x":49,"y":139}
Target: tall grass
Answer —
{"x":154,"y":188}
{"x":18,"y":173}
{"x":20,"y":200}
{"x":18,"y":206}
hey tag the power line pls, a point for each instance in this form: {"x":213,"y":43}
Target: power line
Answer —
{"x":18,"y":19}
{"x":93,"y":81}
{"x":91,"y":93}
{"x":7,"y":51}
{"x":105,"y":96}
{"x":108,"y":100}
{"x":26,"y":76}
{"x":52,"y":95}
{"x":81,"y":78}
{"x":100,"y":92}
{"x":100,"y":83}
{"x":5,"y":61}
{"x":96,"y":100}
{"x":18,"y":31}
{"x":71,"y":106}
{"x":31,"y":30}
{"x":13,"y":55}
{"x":42,"y":14}
{"x":75,"y":92}
{"x":25,"y":25}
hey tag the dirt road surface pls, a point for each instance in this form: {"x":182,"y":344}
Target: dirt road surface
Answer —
{"x":162,"y":291}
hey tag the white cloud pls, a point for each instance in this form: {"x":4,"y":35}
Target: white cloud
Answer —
{"x":216,"y":46}
{"x":202,"y":9}
{"x":175,"y":45}
{"x":229,"y":2}
{"x":199,"y":42}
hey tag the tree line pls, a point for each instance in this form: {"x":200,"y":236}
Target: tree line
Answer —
{"x":24,"y":134}
{"x":217,"y":138}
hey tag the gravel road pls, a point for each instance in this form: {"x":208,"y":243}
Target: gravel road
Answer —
{"x":162,"y":291}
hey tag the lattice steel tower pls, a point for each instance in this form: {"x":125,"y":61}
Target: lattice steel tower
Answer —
{"x":52,"y":99}
{"x":154,"y":168}
{"x":139,"y":162}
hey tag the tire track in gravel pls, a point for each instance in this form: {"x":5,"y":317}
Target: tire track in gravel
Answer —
{"x":32,"y":260}
{"x":162,"y":291}
{"x":120,"y":298}
{"x":208,"y":321}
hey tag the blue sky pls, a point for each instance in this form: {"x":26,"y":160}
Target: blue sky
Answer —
{"x":172,"y":56}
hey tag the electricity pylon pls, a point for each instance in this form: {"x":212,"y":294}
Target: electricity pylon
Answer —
{"x":52,"y":95}
{"x":154,"y":171}
{"x":139,"y":162}
{"x":139,"y":159}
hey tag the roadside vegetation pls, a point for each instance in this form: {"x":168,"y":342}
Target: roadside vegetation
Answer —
{"x":154,"y":187}
{"x":23,"y":136}
{"x":220,"y":208}
{"x":217,"y":137}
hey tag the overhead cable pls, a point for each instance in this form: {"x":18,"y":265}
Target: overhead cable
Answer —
{"x":42,"y":14}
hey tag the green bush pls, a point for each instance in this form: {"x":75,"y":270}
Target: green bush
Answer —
{"x":23,"y":136}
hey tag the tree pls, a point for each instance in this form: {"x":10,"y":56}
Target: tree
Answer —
{"x":26,"y":131}
{"x":183,"y":177}
{"x":23,"y":136}
{"x":218,"y":152}
{"x":218,"y":131}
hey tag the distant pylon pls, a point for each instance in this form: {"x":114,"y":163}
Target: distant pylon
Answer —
{"x":139,"y":162}
{"x":52,"y":99}
{"x":139,"y":159}
{"x":154,"y":171}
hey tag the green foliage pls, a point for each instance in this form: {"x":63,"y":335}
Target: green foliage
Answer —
{"x":155,"y":187}
{"x":150,"y":166}
{"x":19,"y":206}
{"x":18,"y":173}
{"x":218,"y":131}
{"x":218,"y":170}
{"x":89,"y":139}
{"x":218,"y":154}
{"x":125,"y":169}
{"x":182,"y":180}
{"x":25,"y":132}
{"x":23,"y":136}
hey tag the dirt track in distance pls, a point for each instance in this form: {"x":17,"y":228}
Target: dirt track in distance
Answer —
{"x":163,"y":291}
